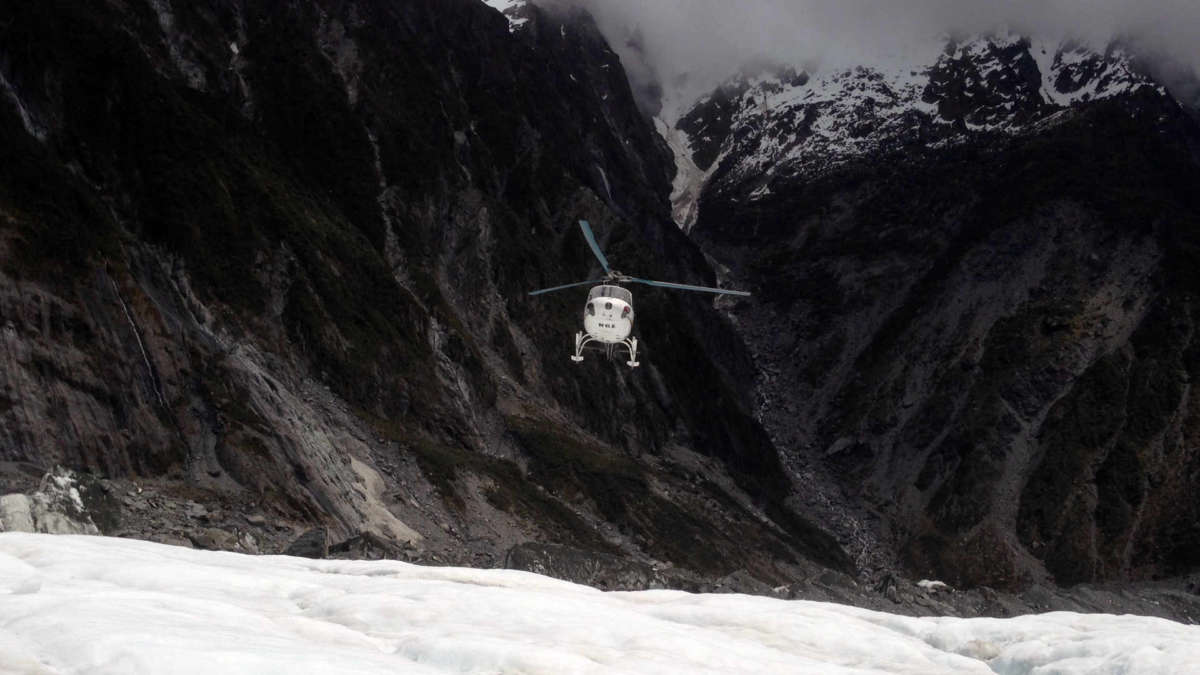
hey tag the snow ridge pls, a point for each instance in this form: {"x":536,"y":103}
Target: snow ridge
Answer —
{"x":512,"y":10}
{"x":795,"y":123}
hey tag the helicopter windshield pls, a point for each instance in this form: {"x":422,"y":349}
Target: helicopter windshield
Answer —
{"x":611,"y":292}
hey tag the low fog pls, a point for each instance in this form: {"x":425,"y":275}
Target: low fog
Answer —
{"x":708,"y":40}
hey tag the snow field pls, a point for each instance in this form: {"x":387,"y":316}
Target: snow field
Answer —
{"x":72,"y":604}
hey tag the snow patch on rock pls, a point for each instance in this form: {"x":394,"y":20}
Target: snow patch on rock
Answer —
{"x":511,"y":9}
{"x":31,"y":124}
{"x":787,"y":121}
{"x":56,"y":508}
{"x":689,"y":178}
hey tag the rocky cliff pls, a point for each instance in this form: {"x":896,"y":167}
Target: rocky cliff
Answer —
{"x":264,"y":269}
{"x":977,"y":299}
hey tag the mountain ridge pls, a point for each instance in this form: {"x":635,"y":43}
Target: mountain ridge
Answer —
{"x":785,"y":121}
{"x":272,"y":263}
{"x":926,"y":307}
{"x":265,"y":271}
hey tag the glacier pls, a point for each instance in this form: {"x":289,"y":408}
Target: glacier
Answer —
{"x":76,"y":603}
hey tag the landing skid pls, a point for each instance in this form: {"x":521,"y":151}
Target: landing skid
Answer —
{"x":582,"y":339}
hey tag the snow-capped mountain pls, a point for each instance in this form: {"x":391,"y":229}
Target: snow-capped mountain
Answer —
{"x":265,"y":272}
{"x":959,"y":255}
{"x":786,"y":121}
{"x":516,"y":11}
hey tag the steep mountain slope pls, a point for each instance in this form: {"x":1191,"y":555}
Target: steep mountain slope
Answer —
{"x":273,"y":259}
{"x":784,"y":123}
{"x":977,"y":296}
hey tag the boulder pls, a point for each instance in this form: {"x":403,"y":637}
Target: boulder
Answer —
{"x":311,"y":544}
{"x":591,"y":568}
{"x":246,"y":542}
{"x":58,"y":506}
{"x":171,"y":540}
{"x":15,"y":514}
{"x":741,"y":581}
{"x":367,"y":546}
{"x":214,"y":539}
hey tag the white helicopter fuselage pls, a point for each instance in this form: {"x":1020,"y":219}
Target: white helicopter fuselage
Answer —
{"x":608,"y":314}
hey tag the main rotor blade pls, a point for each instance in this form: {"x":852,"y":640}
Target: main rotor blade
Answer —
{"x":559,"y":288}
{"x":687,"y":287}
{"x":591,"y":240}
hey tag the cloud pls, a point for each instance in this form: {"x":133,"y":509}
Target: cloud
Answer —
{"x":706,"y":41}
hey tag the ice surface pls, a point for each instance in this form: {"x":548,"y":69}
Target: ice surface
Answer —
{"x":689,"y":178}
{"x":74,"y":604}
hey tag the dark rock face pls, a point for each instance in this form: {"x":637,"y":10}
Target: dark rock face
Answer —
{"x":981,"y":353}
{"x":766,"y":130}
{"x":215,"y":539}
{"x":274,"y":258}
{"x":710,"y":123}
{"x":271,"y":261}
{"x":311,"y":544}
{"x":583,"y":567}
{"x":986,"y":83}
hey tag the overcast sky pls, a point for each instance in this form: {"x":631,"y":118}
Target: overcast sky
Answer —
{"x":711,"y":38}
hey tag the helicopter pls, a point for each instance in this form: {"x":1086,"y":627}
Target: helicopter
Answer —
{"x":608,"y":315}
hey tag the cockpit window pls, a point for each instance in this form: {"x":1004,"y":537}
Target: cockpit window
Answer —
{"x":611,"y":292}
